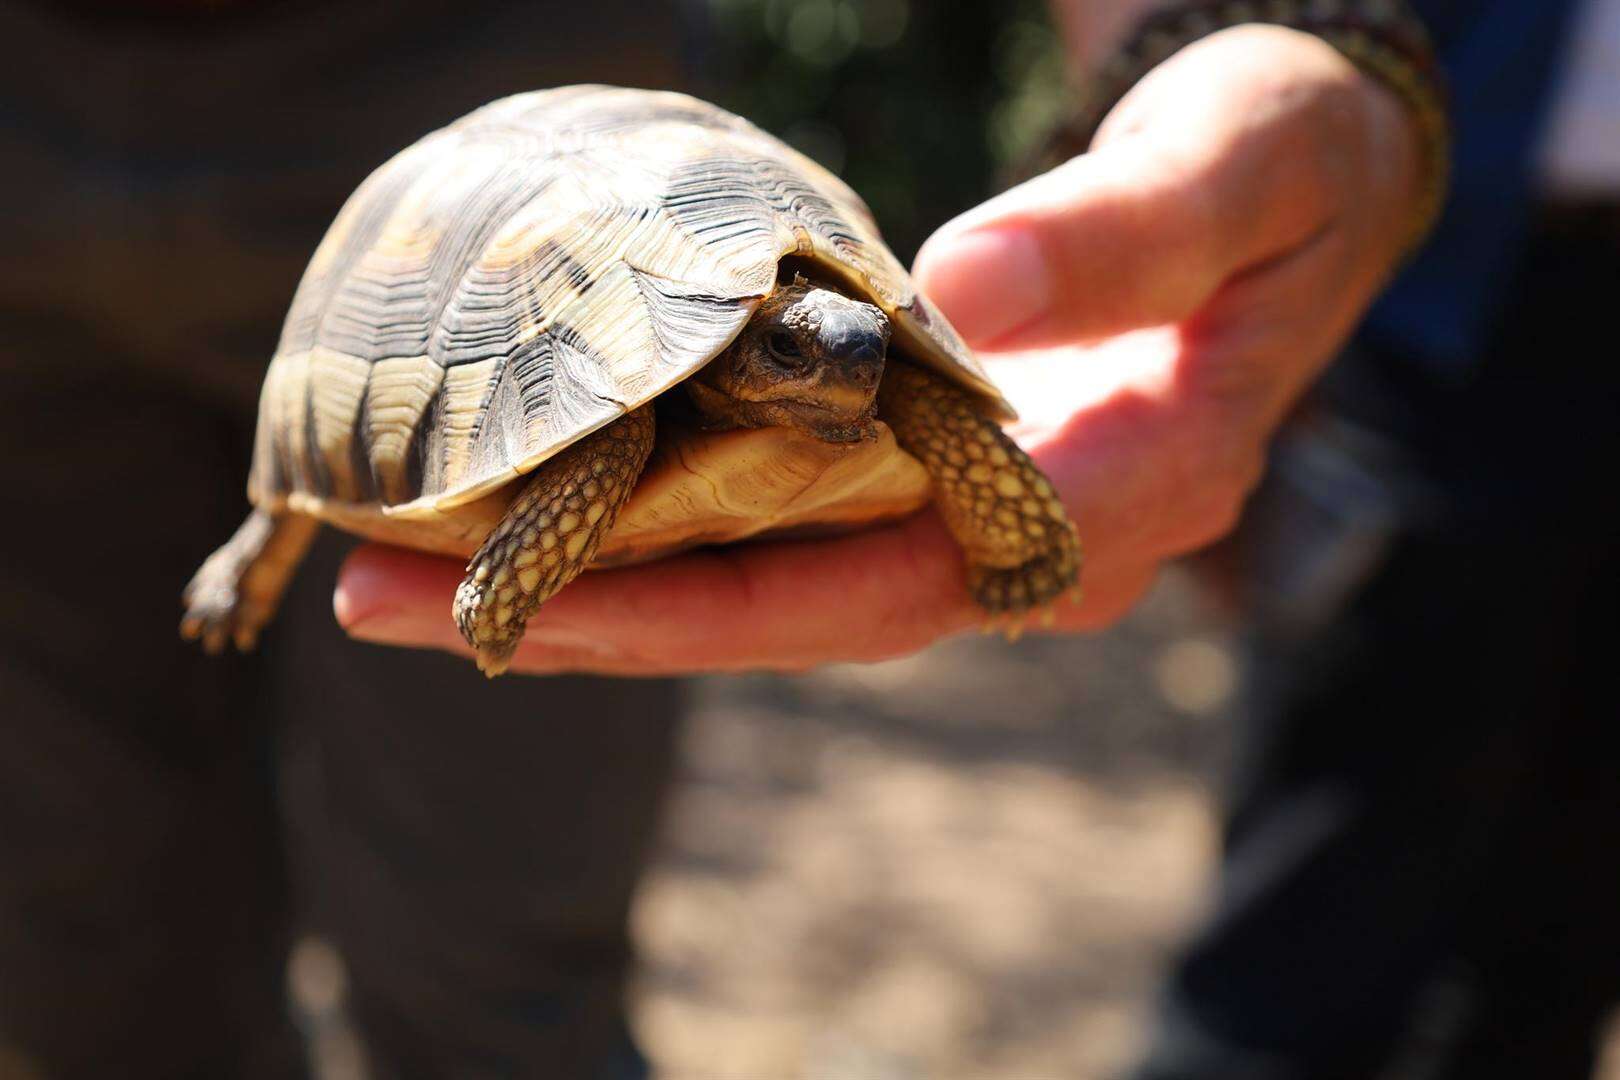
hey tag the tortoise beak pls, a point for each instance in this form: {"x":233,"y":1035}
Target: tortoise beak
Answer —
{"x":853,"y":338}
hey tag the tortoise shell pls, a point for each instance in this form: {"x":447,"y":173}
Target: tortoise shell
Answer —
{"x":514,"y":281}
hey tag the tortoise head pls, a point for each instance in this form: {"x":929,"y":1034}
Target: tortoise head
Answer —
{"x":810,"y":358}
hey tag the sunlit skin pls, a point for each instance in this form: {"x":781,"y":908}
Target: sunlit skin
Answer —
{"x":1248,"y":198}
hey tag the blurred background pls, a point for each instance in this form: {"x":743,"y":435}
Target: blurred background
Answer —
{"x":923,"y":107}
{"x":971,"y":863}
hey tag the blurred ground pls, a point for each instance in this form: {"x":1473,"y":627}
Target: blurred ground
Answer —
{"x":969,"y":863}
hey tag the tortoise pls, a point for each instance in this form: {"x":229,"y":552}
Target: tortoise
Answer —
{"x":590,"y":325}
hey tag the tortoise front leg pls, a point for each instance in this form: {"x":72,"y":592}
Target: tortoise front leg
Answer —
{"x":237,"y":590}
{"x":1022,"y":550}
{"x":549,"y":534}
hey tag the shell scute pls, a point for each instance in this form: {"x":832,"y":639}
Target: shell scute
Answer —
{"x":517,"y":280}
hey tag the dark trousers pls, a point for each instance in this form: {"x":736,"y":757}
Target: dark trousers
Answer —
{"x":168,"y":822}
{"x":1420,"y":876}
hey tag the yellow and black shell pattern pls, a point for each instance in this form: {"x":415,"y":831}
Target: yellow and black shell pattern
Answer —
{"x":514,"y":281}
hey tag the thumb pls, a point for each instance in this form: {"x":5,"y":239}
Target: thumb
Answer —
{"x":1219,"y":170}
{"x":1115,"y":240}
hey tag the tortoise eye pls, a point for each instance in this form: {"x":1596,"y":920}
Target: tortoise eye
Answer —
{"x":784,"y":347}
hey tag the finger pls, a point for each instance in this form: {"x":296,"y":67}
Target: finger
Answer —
{"x":582,"y":640}
{"x":1227,"y":156}
{"x":393,"y":596}
{"x":778,"y":606}
{"x":1249,"y":354}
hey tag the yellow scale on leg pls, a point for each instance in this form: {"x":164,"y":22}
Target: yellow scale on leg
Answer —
{"x":1022,"y":550}
{"x":550,"y":534}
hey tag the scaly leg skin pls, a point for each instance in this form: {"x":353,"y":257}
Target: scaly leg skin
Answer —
{"x":549,"y":534}
{"x":237,"y":590}
{"x":1023,"y":552}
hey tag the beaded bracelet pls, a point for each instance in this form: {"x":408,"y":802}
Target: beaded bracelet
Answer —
{"x":1383,"y":38}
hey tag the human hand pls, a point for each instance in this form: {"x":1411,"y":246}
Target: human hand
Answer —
{"x":1165,"y":297}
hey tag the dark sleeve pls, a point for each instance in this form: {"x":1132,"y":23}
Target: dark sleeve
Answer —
{"x":1500,"y":60}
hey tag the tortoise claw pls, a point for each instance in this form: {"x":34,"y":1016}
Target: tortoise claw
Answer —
{"x":213,"y":617}
{"x":1012,"y":621}
{"x":236,"y":590}
{"x":494,"y":661}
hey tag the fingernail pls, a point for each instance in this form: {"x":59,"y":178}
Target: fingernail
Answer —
{"x":990,"y":282}
{"x":345,"y":608}
{"x":367,"y":619}
{"x":362,"y":593}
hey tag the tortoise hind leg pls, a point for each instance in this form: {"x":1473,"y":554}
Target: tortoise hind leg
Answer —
{"x":549,"y":534}
{"x":237,"y":590}
{"x":1022,"y":550}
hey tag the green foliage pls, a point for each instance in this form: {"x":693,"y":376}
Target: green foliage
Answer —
{"x":919,"y":104}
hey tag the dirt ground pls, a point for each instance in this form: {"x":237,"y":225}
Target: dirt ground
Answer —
{"x":969,"y":863}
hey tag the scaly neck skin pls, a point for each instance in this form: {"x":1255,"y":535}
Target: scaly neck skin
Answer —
{"x":722,"y":413}
{"x":809,"y":359}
